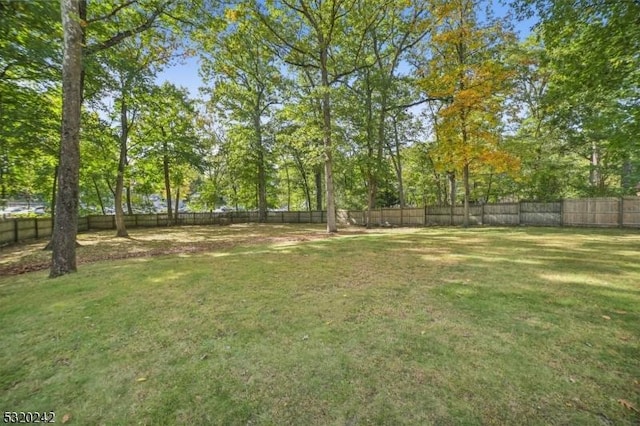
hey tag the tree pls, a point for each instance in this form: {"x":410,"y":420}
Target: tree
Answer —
{"x":591,"y":51}
{"x":326,"y":38}
{"x":467,"y":69}
{"x":166,"y":137}
{"x":66,"y":215}
{"x":403,"y":27}
{"x":129,"y":68}
{"x":246,"y":81}
{"x":29,"y":97}
{"x":106,"y":22}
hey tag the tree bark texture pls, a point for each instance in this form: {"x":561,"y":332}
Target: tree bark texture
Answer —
{"x":121,"y":229}
{"x":65,"y":228}
{"x":328,"y":148}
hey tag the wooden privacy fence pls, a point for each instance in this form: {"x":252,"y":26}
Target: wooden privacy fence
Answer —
{"x":592,"y":212}
{"x":227,"y":218}
{"x":14,"y":230}
{"x":522,"y":213}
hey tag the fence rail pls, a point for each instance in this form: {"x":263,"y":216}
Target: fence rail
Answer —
{"x":590,"y":212}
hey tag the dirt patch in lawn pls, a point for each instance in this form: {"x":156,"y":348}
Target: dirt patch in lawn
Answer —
{"x":31,"y":256}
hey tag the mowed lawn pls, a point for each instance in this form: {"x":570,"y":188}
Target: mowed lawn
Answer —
{"x":439,"y":326}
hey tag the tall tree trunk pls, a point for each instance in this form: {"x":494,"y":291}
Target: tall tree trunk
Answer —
{"x":121,"y":229}
{"x":467,"y":194}
{"x":397,"y":163}
{"x":167,"y":183}
{"x":488,"y":194}
{"x":286,"y":172}
{"x":65,"y":228}
{"x":262,"y":175}
{"x":95,"y":185}
{"x":318,"y":183}
{"x":326,"y":138}
{"x":371,"y":164}
{"x":452,"y":197}
{"x":626,"y":177}
{"x":177,"y":205}
{"x":380,"y":140}
{"x":128,"y":201}
{"x":594,"y":175}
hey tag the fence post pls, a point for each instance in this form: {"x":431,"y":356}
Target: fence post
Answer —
{"x":401,"y":216}
{"x":562,"y":213}
{"x":482,"y":214}
{"x":426,"y":215}
{"x":35,"y":222}
{"x":519,"y":213}
{"x":15,"y":230}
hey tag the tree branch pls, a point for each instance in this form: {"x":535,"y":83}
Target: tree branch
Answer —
{"x":112,"y":13}
{"x":421,"y":101}
{"x":116,"y":39}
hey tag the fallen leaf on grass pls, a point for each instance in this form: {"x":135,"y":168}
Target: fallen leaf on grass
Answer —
{"x":629,"y":406}
{"x":141,"y":379}
{"x":606,"y":317}
{"x":66,"y":418}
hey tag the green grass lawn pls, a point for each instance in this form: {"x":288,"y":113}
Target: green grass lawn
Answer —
{"x":283,"y":325}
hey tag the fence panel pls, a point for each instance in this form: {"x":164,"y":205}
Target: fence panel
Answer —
{"x":291,"y":217}
{"x":307,"y":217}
{"x":591,"y":212}
{"x":390,"y":217}
{"x":475,"y":215}
{"x":26,"y":229}
{"x":544,"y":214}
{"x":375,"y":216}
{"x":274,"y":217}
{"x":7,"y":231}
{"x":438,"y":215}
{"x":501,"y":214}
{"x":352,"y":217}
{"x":130,"y":221}
{"x":413,"y":217}
{"x":101,"y":222}
{"x":83,"y":224}
{"x":631,"y":212}
{"x":45,"y":227}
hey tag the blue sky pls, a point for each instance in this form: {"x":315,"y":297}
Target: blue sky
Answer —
{"x":185,"y":74}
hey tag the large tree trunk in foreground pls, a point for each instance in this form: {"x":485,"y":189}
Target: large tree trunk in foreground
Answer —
{"x":65,"y":227}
